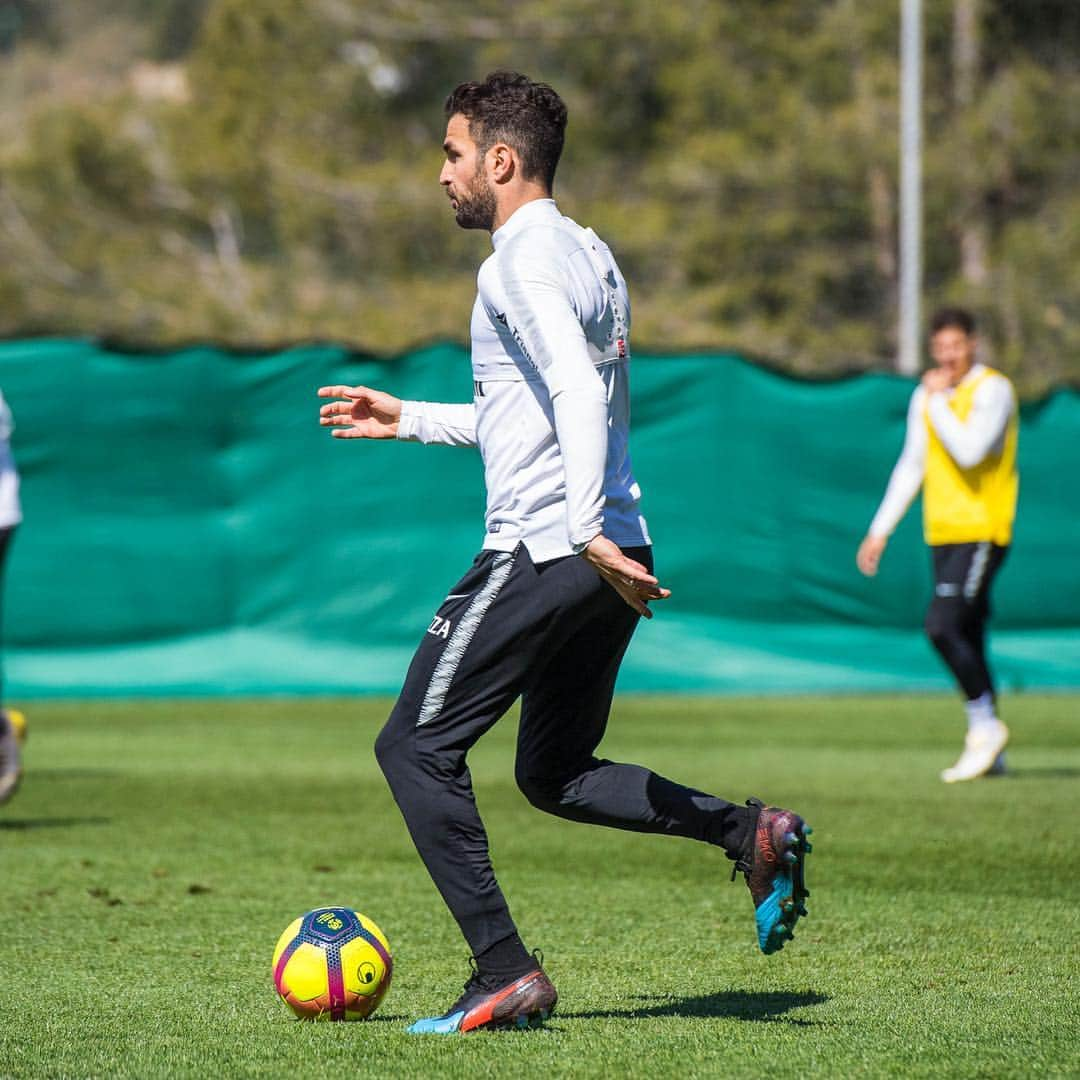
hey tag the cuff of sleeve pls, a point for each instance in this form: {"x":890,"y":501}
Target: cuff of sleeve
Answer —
{"x":578,"y":546}
{"x":409,"y":421}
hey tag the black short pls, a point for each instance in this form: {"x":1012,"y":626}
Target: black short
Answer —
{"x":965,"y":572}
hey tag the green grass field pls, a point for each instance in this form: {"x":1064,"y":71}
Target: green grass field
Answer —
{"x":157,"y":849}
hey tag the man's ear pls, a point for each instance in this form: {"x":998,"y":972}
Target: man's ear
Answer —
{"x":502,"y":162}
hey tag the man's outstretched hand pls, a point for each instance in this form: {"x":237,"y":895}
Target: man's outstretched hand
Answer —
{"x":362,"y":413}
{"x":628,"y":578}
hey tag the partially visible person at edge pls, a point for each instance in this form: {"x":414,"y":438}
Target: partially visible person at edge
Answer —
{"x":549,"y":605}
{"x":960,"y":448}
{"x":12,"y":722}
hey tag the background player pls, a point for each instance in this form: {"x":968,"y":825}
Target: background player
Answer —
{"x":12,"y":722}
{"x":548,"y":607}
{"x":960,"y":447}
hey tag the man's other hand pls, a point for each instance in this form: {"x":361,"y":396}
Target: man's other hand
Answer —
{"x":628,"y":578}
{"x":935,"y":380}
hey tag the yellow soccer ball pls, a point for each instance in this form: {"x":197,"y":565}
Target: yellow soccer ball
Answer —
{"x":332,"y":964}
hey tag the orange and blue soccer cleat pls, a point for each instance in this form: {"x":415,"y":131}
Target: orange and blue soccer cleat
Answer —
{"x":492,"y":1003}
{"x":772,"y":860}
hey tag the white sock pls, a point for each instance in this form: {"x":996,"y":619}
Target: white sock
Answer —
{"x":981,"y":711}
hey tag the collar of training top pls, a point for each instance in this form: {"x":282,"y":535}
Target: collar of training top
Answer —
{"x":527,"y":214}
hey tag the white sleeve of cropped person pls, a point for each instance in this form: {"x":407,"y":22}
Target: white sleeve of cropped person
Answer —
{"x":541,"y":315}
{"x":7,"y":425}
{"x":908,"y":472}
{"x":970,"y":441}
{"x":438,"y":423}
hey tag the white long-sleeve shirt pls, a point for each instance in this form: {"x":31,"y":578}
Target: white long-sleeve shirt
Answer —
{"x":968,"y":442}
{"x":551,"y":409}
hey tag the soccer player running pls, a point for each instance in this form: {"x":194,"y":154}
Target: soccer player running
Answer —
{"x":12,"y":722}
{"x":960,"y":448}
{"x":548,"y":607}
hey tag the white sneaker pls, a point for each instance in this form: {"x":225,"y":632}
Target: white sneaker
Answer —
{"x":981,"y":749}
{"x":1000,"y":766}
{"x":10,"y":760}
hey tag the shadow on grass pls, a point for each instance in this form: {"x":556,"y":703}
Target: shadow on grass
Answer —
{"x":378,"y":1018}
{"x":77,"y":772}
{"x":24,"y":824}
{"x":1033,"y":772}
{"x":731,"y":1004}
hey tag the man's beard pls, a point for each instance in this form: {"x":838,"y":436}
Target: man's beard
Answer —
{"x":476,"y":208}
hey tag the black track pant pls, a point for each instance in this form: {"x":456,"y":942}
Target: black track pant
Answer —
{"x":956,"y":618}
{"x":554,"y":634}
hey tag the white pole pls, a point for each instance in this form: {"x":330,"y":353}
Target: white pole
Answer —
{"x":910,"y":330}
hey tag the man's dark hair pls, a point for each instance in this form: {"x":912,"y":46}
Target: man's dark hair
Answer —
{"x":954,"y":317}
{"x":510,"y":108}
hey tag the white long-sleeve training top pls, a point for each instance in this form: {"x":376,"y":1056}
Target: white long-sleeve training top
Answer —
{"x":967,"y":441}
{"x":551,"y":406}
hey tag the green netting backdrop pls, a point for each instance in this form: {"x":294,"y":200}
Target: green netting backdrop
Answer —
{"x":189,"y":528}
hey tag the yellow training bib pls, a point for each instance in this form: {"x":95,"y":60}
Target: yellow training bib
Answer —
{"x":962,"y":506}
